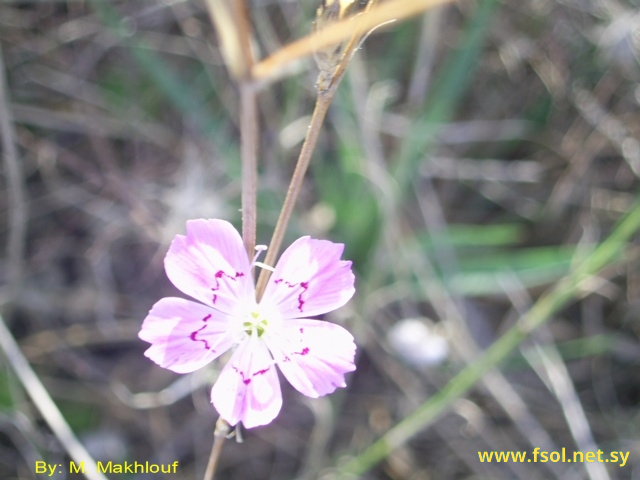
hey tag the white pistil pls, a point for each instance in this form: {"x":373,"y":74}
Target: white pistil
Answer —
{"x":265,"y":266}
{"x":259,"y":250}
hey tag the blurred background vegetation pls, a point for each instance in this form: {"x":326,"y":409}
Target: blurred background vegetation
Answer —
{"x":472,"y":156}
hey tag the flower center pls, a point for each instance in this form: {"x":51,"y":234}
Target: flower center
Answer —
{"x":255,"y":323}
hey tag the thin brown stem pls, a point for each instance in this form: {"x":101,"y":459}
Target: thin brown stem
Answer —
{"x":323,"y":101}
{"x":249,"y":148}
{"x":218,"y":442}
{"x":231,"y":19}
{"x":219,"y":436}
{"x":320,"y":111}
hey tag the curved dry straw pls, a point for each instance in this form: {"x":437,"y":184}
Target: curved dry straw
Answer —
{"x":278,"y":63}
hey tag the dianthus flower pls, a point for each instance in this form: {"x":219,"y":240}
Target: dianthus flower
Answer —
{"x":211,"y":265}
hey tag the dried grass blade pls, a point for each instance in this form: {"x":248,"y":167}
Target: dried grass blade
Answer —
{"x":276,"y":64}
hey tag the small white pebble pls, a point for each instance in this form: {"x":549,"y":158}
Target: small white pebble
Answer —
{"x":417,"y":344}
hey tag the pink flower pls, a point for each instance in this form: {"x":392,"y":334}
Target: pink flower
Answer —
{"x":210,"y":264}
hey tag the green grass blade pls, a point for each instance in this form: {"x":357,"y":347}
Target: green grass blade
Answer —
{"x":177,"y":90}
{"x":452,"y":83}
{"x":550,"y":303}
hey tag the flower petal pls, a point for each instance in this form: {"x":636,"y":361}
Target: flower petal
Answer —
{"x":313,"y":355}
{"x":185,"y":335}
{"x":211,"y":265}
{"x":248,"y":389}
{"x":310,"y":279}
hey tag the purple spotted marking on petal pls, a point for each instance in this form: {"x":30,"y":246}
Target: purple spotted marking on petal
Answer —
{"x":247,"y":381}
{"x":219,"y":275}
{"x":194,"y":335}
{"x":206,"y":318}
{"x":304,"y":285}
{"x":302,"y":353}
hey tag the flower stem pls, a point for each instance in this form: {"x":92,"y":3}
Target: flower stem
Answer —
{"x":231,"y":19}
{"x":219,"y":436}
{"x":232,"y":24}
{"x":213,"y":458}
{"x":330,"y":77}
{"x":319,"y":112}
{"x":248,"y":148}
